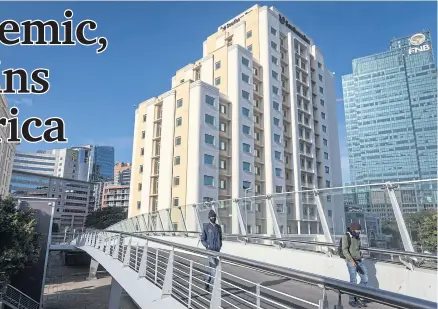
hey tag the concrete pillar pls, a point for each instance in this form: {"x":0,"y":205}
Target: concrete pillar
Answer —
{"x":115,"y":295}
{"x":94,"y":265}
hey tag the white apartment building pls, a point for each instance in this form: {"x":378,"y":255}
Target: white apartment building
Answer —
{"x":255,"y":116}
{"x":7,"y":151}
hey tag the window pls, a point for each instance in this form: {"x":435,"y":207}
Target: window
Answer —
{"x":177,"y":160}
{"x":179,"y":103}
{"x":322,"y":102}
{"x":277,"y":155}
{"x":274,"y":75}
{"x":256,"y":119}
{"x":223,"y":109}
{"x":138,"y":204}
{"x":329,"y":212}
{"x":319,"y":65}
{"x":329,"y":198}
{"x":257,"y":153}
{"x":223,"y":145}
{"x":245,"y":62}
{"x":223,"y":127}
{"x":217,"y":81}
{"x":274,"y":45}
{"x":246,"y":185}
{"x":209,"y":100}
{"x":324,"y":129}
{"x":322,"y":115}
{"x":279,"y":207}
{"x":223,"y":164}
{"x":275,"y":90}
{"x":321,"y":90}
{"x":246,"y":129}
{"x":141,"y":168}
{"x":208,"y":159}
{"x":273,"y":31}
{"x":217,"y":65}
{"x":278,"y":189}
{"x":209,"y":119}
{"x":274,"y":60}
{"x":208,"y":180}
{"x":246,"y":148}
{"x":249,"y":34}
{"x":177,"y":140}
{"x":327,"y":170}
{"x":246,"y":166}
{"x":327,"y":184}
{"x":139,"y":186}
{"x":209,"y":139}
{"x":175,"y":201}
{"x":320,"y":77}
{"x":223,"y":184}
{"x":257,"y":136}
{"x":276,"y":105}
{"x":143,"y":134}
{"x":276,"y":121}
{"x":326,"y":155}
{"x":178,"y":121}
{"x":245,"y":78}
{"x":245,"y":94}
{"x":249,"y":48}
{"x":144,"y":118}
{"x":324,"y":142}
{"x":278,"y":172}
{"x":257,"y":170}
{"x":176,"y":181}
{"x":277,"y":138}
{"x":142,"y":151}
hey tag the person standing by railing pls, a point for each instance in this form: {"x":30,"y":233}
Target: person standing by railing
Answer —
{"x":211,"y":238}
{"x":349,"y":249}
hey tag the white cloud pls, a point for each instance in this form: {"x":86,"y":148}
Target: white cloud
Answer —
{"x":21,"y":102}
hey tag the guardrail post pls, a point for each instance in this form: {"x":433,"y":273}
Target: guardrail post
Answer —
{"x":189,"y":300}
{"x":258,"y":295}
{"x":323,"y":303}
{"x":117,"y":247}
{"x":156,"y":266}
{"x":277,"y":231}
{"x":143,"y":261}
{"x":158,"y":218}
{"x":215,"y":302}
{"x":240,"y":217}
{"x":182,"y":219}
{"x":166,"y":291}
{"x":322,"y":218}
{"x":127,"y":255}
{"x":406,"y":239}
{"x":339,"y":305}
{"x":198,"y":220}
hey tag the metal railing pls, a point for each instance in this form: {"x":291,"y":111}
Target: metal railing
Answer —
{"x":179,"y":271}
{"x":17,"y":299}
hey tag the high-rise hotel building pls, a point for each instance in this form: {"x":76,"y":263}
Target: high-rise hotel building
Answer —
{"x":255,"y":116}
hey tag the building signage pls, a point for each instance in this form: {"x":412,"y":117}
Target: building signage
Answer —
{"x":231,"y":23}
{"x":417,"y":44}
{"x":285,"y":22}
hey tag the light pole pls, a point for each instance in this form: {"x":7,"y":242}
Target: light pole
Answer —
{"x":246,"y":208}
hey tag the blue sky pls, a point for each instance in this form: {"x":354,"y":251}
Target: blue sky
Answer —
{"x":148,"y":42}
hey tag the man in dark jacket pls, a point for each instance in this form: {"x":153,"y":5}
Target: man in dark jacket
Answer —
{"x":353,"y":258}
{"x":212,"y":240}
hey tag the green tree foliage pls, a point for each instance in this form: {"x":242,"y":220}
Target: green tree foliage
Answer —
{"x":103,"y":218}
{"x":19,"y":241}
{"x":428,"y":233}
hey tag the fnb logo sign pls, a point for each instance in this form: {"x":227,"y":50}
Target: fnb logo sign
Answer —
{"x":417,"y":40}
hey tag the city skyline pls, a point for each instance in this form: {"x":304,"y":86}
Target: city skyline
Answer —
{"x":145,"y":86}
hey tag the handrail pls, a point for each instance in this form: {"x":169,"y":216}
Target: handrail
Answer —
{"x":384,"y":297}
{"x":309,"y":242}
{"x":29,"y":302}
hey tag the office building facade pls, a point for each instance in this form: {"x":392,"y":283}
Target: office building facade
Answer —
{"x":255,"y":116}
{"x":122,"y":173}
{"x":391,"y":113}
{"x":97,"y":162}
{"x":115,"y":195}
{"x":73,"y":196}
{"x":7,"y":150}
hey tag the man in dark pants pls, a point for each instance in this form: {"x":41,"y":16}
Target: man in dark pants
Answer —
{"x":353,"y":257}
{"x":212,"y":240}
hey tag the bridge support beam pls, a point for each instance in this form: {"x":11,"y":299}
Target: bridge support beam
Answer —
{"x":94,"y":265}
{"x":115,"y":295}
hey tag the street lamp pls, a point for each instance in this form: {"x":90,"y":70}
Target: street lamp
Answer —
{"x":246,"y":207}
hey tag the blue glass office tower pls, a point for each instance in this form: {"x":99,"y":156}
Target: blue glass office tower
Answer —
{"x":391,"y":113}
{"x":101,"y":163}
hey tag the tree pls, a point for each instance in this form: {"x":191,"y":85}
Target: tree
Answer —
{"x":19,"y":241}
{"x":103,"y":218}
{"x":428,"y":233}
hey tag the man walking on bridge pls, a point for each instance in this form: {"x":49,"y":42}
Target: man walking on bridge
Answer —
{"x":212,"y":240}
{"x":350,"y":251}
